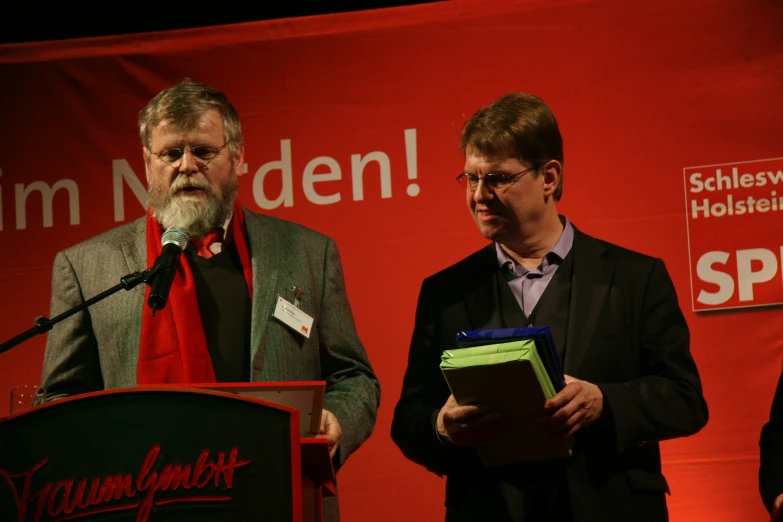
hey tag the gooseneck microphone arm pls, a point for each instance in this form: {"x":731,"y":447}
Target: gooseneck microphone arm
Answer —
{"x":43,"y":324}
{"x":159,"y":277}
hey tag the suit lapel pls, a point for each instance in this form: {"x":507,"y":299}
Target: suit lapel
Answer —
{"x":135,"y":252}
{"x":135,"y":248}
{"x":481,"y":301}
{"x":264,"y":255}
{"x":592,"y":275}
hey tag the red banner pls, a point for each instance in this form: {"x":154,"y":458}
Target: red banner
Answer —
{"x":351,"y":123}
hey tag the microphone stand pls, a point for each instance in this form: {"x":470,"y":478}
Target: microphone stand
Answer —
{"x":43,"y":324}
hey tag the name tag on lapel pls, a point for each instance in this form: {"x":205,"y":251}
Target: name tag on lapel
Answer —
{"x":293,"y":317}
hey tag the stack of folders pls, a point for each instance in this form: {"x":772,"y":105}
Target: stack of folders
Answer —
{"x":540,"y":335}
{"x":511,"y":378}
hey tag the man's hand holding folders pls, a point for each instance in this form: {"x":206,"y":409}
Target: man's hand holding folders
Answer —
{"x":576,"y":406}
{"x":499,"y":390}
{"x":469,"y":425}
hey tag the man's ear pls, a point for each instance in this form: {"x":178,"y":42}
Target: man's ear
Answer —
{"x":239,"y":161}
{"x":552,"y":170}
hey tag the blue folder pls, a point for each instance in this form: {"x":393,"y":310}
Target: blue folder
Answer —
{"x":540,"y":335}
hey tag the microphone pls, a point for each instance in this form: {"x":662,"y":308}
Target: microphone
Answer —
{"x":174,"y":241}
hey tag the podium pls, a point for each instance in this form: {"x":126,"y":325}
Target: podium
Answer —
{"x":162,"y":454}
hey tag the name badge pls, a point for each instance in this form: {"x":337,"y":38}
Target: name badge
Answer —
{"x":293,"y":317}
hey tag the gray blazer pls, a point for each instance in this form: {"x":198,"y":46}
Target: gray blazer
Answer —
{"x":98,"y":348}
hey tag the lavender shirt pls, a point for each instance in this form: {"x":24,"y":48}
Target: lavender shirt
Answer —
{"x":528,"y":285}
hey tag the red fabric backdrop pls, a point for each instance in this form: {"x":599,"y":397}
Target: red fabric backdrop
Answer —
{"x":647,"y":93}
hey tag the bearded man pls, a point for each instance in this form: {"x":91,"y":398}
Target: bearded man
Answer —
{"x":218,"y":324}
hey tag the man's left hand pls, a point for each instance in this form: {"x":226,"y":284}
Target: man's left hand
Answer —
{"x":330,"y":428}
{"x":777,"y":513}
{"x":578,"y":405}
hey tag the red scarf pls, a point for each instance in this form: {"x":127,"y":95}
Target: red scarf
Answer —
{"x":173,"y":348}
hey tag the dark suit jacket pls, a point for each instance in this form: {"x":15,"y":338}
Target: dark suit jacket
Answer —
{"x":626,"y":334}
{"x":771,"y":446}
{"x":98,"y":348}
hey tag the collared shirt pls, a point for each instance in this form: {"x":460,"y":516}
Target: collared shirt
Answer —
{"x":217,"y":246}
{"x":528,"y":285}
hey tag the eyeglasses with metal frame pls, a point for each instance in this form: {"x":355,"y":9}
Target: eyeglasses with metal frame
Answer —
{"x":204,"y":155}
{"x":493,"y":180}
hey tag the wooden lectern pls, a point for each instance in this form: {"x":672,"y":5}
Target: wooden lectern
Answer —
{"x":164,"y":454}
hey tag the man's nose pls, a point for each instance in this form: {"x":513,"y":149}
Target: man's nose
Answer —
{"x":189,"y":163}
{"x":482,"y":192}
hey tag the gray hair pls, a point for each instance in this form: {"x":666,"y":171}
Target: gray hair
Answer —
{"x":182,"y":105}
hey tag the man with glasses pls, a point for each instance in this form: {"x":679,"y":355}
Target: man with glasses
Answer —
{"x":615,"y":320}
{"x":217,"y":323}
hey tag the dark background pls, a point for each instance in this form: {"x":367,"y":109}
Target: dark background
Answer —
{"x":25,"y":21}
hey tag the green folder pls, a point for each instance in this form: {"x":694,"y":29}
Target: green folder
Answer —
{"x":510,"y":378}
{"x":487,"y":354}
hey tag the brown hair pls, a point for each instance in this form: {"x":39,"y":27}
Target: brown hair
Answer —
{"x":519,"y":125}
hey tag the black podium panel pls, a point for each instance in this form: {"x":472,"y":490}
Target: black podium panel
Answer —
{"x":151,"y":454}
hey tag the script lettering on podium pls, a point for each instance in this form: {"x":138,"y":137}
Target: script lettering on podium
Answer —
{"x":78,"y":498}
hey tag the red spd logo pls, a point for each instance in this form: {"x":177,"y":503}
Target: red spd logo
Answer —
{"x":735,"y":234}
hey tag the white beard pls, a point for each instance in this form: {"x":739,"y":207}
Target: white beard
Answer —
{"x":194,"y":214}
